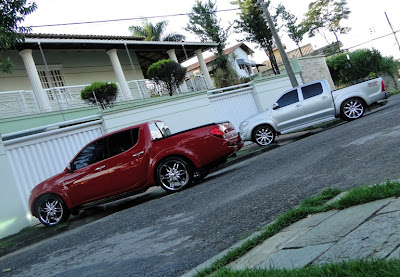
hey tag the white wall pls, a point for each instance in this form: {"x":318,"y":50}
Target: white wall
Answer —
{"x":13,"y":216}
{"x":78,"y":67}
{"x":181,"y":114}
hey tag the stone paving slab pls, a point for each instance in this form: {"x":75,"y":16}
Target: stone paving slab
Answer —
{"x":379,"y":237}
{"x":266,"y":249}
{"x":311,"y":221}
{"x":338,"y":225}
{"x":294,"y":258}
{"x":392,"y":207}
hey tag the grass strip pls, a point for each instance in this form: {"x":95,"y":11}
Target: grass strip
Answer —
{"x":371,"y":268}
{"x":308,"y":206}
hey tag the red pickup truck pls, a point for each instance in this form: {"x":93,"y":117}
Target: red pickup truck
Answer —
{"x":129,"y":161}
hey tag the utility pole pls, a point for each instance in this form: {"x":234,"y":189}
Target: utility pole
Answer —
{"x":394,"y":33}
{"x":278,"y":42}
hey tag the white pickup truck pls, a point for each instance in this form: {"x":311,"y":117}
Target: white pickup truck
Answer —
{"x":311,"y":104}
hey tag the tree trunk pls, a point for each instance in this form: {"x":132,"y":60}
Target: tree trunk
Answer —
{"x":270,"y":53}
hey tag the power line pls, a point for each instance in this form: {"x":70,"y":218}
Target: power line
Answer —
{"x":372,"y":40}
{"x":123,"y":19}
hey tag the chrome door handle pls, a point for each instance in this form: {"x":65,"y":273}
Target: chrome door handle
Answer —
{"x":138,"y":154}
{"x":100,"y":168}
{"x":298,"y":106}
{"x":324,"y":97}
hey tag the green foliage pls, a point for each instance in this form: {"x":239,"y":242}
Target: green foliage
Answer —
{"x":374,"y":267}
{"x":100,"y":93}
{"x":167,"y":72}
{"x":295,"y":31}
{"x":326,"y":14}
{"x":152,"y":32}
{"x":204,"y":23}
{"x":254,"y":26}
{"x":226,"y":77}
{"x":363,"y":63}
{"x":12,"y":13}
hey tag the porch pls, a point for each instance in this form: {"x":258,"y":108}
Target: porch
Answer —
{"x":24,"y":102}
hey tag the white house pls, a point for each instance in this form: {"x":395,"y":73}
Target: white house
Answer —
{"x":238,"y":56}
{"x":50,"y":70}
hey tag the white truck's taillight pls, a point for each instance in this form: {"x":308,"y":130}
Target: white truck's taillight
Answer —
{"x":383,"y":86}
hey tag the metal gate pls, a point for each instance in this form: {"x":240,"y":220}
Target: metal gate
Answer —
{"x":233,"y":103}
{"x":37,"y":157}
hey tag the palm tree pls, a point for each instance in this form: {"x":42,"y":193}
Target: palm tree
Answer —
{"x":154,"y":32}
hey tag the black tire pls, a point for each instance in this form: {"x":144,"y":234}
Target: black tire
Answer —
{"x":201,"y":174}
{"x":174,"y":174}
{"x":51,"y":210}
{"x":352,"y":109}
{"x":263,"y":135}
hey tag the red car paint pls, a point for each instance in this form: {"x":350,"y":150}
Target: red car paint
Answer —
{"x":134,"y":169}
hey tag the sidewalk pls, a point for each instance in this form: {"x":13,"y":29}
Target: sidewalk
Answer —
{"x":361,"y":232}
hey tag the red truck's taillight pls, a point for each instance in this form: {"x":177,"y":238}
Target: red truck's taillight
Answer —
{"x":383,"y":86}
{"x":217,"y":132}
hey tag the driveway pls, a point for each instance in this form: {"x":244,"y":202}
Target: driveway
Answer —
{"x":169,"y":235}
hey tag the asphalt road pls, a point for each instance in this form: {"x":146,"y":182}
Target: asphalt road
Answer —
{"x":169,"y":235}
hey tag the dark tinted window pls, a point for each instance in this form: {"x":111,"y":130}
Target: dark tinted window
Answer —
{"x":311,"y":90}
{"x":92,"y":153}
{"x":122,"y":141}
{"x":288,"y":98}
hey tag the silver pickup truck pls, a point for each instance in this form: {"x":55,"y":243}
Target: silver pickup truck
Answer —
{"x":311,"y":104}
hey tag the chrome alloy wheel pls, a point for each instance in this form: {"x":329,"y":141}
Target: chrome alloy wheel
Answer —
{"x":264,"y":135}
{"x":174,"y":174}
{"x":353,"y":109}
{"x":50,"y":210}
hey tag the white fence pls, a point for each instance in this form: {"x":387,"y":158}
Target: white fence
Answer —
{"x":37,"y":157}
{"x":235,"y":105}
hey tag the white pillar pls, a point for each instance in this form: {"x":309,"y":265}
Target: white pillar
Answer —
{"x":172,"y":57}
{"x":120,"y":74}
{"x":203,"y":67}
{"x":41,"y":96}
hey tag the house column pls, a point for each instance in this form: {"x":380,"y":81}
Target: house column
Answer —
{"x":120,"y":74}
{"x":172,"y":57}
{"x":41,"y":96}
{"x":203,"y":67}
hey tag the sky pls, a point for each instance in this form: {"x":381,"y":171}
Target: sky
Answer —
{"x":367,"y":20}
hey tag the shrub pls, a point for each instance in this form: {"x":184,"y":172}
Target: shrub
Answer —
{"x":363,"y":63}
{"x":168,"y":73}
{"x":100,"y":93}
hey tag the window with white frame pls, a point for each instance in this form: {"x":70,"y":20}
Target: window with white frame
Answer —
{"x":53,"y":78}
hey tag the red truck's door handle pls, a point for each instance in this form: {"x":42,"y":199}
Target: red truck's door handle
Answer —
{"x":138,"y":154}
{"x":100,"y":168}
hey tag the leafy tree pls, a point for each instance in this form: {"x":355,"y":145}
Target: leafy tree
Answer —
{"x":100,"y":93}
{"x":155,"y":32}
{"x":363,"y":63}
{"x":204,"y":23}
{"x":12,"y":13}
{"x":327,"y":14}
{"x":253,"y":24}
{"x":167,"y":72}
{"x":295,"y":31}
